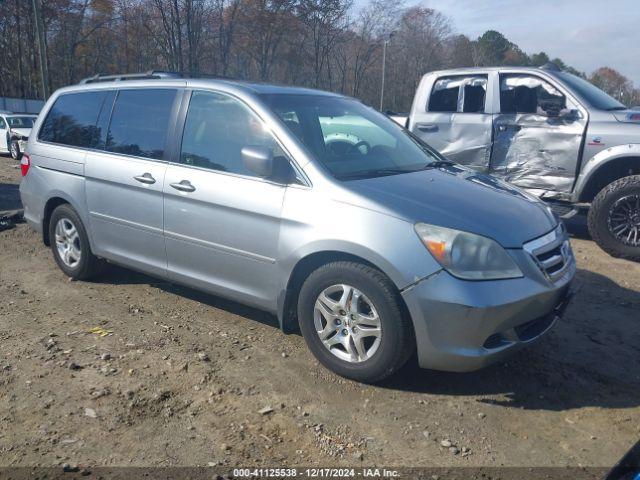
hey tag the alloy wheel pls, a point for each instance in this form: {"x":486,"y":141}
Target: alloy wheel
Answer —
{"x":347,"y":323}
{"x":624,"y":220}
{"x":68,"y":242}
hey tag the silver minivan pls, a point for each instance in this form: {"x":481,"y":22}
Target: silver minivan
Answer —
{"x":307,"y":204}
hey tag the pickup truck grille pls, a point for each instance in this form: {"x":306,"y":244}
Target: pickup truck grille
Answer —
{"x":552,"y":253}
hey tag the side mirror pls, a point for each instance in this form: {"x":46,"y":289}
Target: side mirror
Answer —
{"x":569,"y":114}
{"x":258,"y":160}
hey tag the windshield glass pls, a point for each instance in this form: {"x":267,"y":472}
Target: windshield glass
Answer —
{"x":21,"y":122}
{"x":590,"y":93}
{"x":351,"y":140}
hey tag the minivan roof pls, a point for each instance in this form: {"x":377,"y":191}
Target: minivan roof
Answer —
{"x":255,"y":88}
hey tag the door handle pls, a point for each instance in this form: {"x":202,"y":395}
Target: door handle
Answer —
{"x":184,"y":186}
{"x":145,"y":178}
{"x":423,"y":127}
{"x":504,"y":128}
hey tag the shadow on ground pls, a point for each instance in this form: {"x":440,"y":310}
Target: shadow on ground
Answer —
{"x":587,"y":360}
{"x":9,"y":197}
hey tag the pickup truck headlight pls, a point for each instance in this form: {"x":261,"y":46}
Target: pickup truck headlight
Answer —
{"x":466,"y":255}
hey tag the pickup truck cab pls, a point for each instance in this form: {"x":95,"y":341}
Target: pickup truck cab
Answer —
{"x":544,"y":130}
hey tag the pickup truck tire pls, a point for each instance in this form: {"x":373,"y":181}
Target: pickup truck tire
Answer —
{"x":67,"y":234}
{"x":361,"y":330}
{"x":614,"y":218}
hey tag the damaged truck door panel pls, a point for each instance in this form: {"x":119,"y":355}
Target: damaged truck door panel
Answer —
{"x":306,"y":204}
{"x":547,"y":131}
{"x":537,"y":135}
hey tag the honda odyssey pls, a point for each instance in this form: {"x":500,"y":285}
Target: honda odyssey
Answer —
{"x":303,"y":203}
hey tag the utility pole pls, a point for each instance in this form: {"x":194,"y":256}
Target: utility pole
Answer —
{"x":384,"y":66}
{"x":42,"y":47}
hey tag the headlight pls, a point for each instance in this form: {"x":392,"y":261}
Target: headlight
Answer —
{"x":467,"y":256}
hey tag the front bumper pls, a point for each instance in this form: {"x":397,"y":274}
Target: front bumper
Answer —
{"x":465,"y":325}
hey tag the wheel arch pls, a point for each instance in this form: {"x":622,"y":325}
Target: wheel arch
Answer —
{"x":607,"y":170}
{"x":288,"y":298}
{"x":54,"y":201}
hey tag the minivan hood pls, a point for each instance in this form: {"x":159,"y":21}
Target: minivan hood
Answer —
{"x":21,"y":131}
{"x":457,"y":197}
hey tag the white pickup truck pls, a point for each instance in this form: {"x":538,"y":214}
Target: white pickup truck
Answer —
{"x":547,"y":131}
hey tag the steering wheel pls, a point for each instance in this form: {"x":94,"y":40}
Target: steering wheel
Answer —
{"x":362,"y":143}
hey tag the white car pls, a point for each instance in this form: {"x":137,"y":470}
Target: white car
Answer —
{"x":14,"y":132}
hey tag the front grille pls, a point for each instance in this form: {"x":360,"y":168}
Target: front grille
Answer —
{"x":552,"y":253}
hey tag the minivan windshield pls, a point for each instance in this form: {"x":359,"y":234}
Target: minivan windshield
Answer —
{"x":21,"y":122}
{"x":351,"y":140}
{"x":590,"y":93}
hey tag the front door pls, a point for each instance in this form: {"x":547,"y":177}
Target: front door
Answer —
{"x":537,"y":135}
{"x":124,"y":182}
{"x":221,"y":222}
{"x":455,"y":122}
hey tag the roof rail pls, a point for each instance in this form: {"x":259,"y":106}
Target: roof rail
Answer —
{"x":551,"y":66}
{"x":130,"y":76}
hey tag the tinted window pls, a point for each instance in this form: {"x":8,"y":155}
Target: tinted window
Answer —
{"x":351,"y":140}
{"x":72,"y":120}
{"x":2,"y":124}
{"x":529,"y":94}
{"x":140,"y":122}
{"x":218,"y":127}
{"x":459,"y":94}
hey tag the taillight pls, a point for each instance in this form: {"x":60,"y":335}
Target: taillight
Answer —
{"x":25,"y":163}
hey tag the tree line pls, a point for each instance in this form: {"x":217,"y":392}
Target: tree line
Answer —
{"x":327,"y":44}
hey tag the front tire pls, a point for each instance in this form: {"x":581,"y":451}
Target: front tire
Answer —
{"x":70,"y":244}
{"x":614,"y":218}
{"x":352,"y":319}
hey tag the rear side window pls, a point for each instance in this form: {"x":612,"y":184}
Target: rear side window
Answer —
{"x":461,"y":94}
{"x":73,"y":119}
{"x":140,"y":122}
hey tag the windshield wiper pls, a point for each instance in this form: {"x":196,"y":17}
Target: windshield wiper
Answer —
{"x":378,"y":172}
{"x":381,"y":172}
{"x":611,"y":109}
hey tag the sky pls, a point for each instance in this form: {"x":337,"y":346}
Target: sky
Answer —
{"x":585,"y":34}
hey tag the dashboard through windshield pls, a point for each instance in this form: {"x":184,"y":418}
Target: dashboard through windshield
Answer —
{"x":350,"y":139}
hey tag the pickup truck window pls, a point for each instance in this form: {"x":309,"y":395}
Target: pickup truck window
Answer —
{"x":589,"y":92}
{"x":462,"y":94}
{"x":351,"y":140}
{"x":529,"y":94}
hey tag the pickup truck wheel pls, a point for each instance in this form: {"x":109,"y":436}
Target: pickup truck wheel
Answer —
{"x":614,"y":218}
{"x":352,"y":319}
{"x":70,"y":244}
{"x":15,"y":150}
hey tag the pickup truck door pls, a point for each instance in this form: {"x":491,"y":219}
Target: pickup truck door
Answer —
{"x":537,"y":135}
{"x":454,"y":120}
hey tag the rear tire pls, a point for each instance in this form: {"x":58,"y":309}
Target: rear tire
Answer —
{"x":70,"y":245}
{"x":614,"y":218}
{"x":364,"y":321}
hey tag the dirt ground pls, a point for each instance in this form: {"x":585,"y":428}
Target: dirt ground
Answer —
{"x":182,"y":378}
